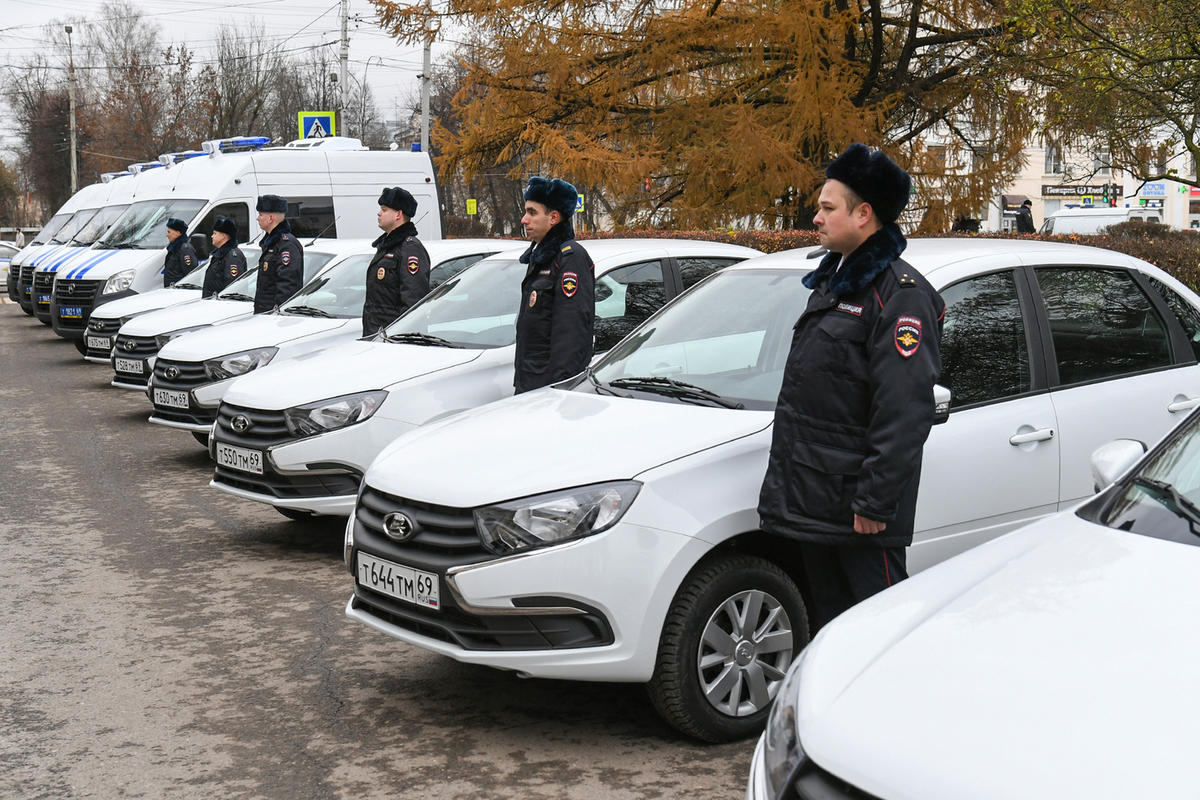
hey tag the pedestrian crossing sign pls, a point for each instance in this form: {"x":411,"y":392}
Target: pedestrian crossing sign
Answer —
{"x":316,"y":124}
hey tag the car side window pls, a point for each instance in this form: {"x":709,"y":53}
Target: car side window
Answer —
{"x":984,"y":351}
{"x":448,"y":269}
{"x":625,"y":297}
{"x":1101,"y":323}
{"x":694,"y":269}
{"x":1185,"y":312}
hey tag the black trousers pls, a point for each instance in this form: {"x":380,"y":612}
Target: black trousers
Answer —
{"x":839,"y":577}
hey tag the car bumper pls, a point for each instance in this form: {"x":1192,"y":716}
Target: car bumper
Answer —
{"x":333,"y":505}
{"x":756,"y":785}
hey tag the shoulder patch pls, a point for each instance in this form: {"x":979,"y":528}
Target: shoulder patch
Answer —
{"x":285,"y":257}
{"x":414,"y":264}
{"x":566,"y":249}
{"x":908,"y":335}
{"x":570,"y":284}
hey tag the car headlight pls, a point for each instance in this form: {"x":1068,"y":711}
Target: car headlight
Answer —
{"x":782,"y":753}
{"x":119,"y":282}
{"x":555,"y":517}
{"x":234,"y":364}
{"x":334,"y":413}
{"x":162,"y":339}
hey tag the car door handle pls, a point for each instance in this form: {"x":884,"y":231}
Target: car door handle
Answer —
{"x":1183,"y":403}
{"x":1039,"y":435}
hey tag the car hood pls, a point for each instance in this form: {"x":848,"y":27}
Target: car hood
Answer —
{"x":357,"y":366}
{"x":546,"y":440}
{"x":100,"y":264}
{"x":61,"y":260}
{"x":145,"y":301}
{"x":1058,"y":661}
{"x":260,"y":330}
{"x":204,"y":312}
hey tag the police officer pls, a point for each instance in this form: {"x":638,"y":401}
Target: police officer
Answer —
{"x":1025,"y":218}
{"x":227,"y":261}
{"x":181,"y":256}
{"x":554,"y":322}
{"x":398,"y":275}
{"x":282,"y":259}
{"x":856,"y":402}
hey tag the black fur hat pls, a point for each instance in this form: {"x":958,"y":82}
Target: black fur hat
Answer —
{"x":177,"y":224}
{"x":399,"y":199}
{"x":226,"y":226}
{"x":554,"y":194}
{"x":875,"y":178}
{"x":271,"y":204}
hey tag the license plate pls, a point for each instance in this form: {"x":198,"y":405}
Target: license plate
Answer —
{"x":403,"y":583}
{"x":131,"y":365}
{"x":102,"y":343}
{"x":170,"y":399}
{"x":70,"y":312}
{"x":43,"y":298}
{"x":239,"y":458}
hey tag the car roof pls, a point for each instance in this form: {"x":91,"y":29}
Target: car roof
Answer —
{"x":605,"y":250}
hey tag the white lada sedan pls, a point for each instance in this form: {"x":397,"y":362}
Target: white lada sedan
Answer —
{"x":191,"y":373}
{"x":138,"y":340}
{"x":606,"y":529}
{"x":1059,"y":661}
{"x":300,"y":435}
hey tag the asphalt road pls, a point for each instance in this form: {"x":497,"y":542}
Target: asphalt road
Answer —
{"x":159,"y":639}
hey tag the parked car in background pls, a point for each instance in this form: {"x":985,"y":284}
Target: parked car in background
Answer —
{"x":7,"y":251}
{"x":300,"y":435}
{"x":606,"y":529}
{"x":1056,"y":662}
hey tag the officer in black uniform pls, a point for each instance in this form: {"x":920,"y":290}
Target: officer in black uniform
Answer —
{"x":1025,"y":218}
{"x":398,"y":275}
{"x":282,"y":259}
{"x":554,"y":322}
{"x":227,"y":261}
{"x":181,"y":256}
{"x":856,"y":402}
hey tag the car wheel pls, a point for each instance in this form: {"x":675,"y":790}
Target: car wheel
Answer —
{"x":80,"y":345}
{"x":731,"y":633}
{"x":202,"y":438}
{"x":295,"y":514}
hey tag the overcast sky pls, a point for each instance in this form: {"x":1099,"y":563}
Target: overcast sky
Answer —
{"x":391,"y":70}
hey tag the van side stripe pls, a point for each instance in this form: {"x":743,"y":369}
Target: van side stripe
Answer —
{"x":87,"y":260}
{"x":96,"y":262}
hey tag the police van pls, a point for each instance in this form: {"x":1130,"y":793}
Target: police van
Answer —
{"x":332,"y":186}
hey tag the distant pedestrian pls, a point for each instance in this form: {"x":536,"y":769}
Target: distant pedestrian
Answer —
{"x":281,"y":264}
{"x":181,"y":256}
{"x":398,"y":275}
{"x":1025,"y":218}
{"x":227,"y":261}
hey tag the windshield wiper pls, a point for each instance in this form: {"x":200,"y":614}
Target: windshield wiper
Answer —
{"x":604,"y":387}
{"x":674,"y":388}
{"x":235,"y":296}
{"x":1170,"y":497}
{"x":307,"y":311}
{"x":187,"y":286}
{"x":420,"y":338}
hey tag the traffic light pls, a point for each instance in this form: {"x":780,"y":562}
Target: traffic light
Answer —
{"x":1105,"y":195}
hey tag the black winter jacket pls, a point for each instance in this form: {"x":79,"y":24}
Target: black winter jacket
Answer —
{"x":856,"y":403}
{"x":224,"y":265}
{"x":397,"y":277}
{"x":282,"y":268}
{"x":179,"y":261}
{"x":558,"y":308}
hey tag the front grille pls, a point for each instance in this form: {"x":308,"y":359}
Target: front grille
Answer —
{"x":267,"y":428}
{"x":25,"y":286}
{"x":445,"y":536}
{"x":80,"y":294}
{"x":134,"y":346}
{"x":43,"y":284}
{"x":103,"y":327}
{"x":814,"y":783}
{"x":187,"y":376}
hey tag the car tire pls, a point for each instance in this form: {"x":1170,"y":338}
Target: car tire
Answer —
{"x":202,"y":438}
{"x":720,"y":696}
{"x":295,"y":514}
{"x":80,"y":345}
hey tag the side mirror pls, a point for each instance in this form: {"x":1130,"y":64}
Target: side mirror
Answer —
{"x":1114,"y":459}
{"x":941,"y":404}
{"x":200,"y":244}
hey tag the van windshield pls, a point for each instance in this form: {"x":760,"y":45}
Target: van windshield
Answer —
{"x":475,"y":308}
{"x":96,"y":227}
{"x":77,"y":222}
{"x":143,"y":226}
{"x":50,"y":228}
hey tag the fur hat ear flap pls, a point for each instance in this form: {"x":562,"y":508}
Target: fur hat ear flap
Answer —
{"x":399,"y":199}
{"x":554,"y":194}
{"x":875,"y":178}
{"x":271,"y":204}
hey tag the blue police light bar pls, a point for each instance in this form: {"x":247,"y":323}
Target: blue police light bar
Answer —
{"x":416,"y":147}
{"x":234,"y":143}
{"x":167,"y":159}
{"x":143,"y":166}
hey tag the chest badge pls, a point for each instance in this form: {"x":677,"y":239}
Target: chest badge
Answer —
{"x":908,"y":335}
{"x":414,"y":263}
{"x":379,"y":273}
{"x":570,"y":284}
{"x":532,"y":298}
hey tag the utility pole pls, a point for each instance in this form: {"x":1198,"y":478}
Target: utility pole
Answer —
{"x":426,"y":79}
{"x":344,"y":57}
{"x":71,"y":96}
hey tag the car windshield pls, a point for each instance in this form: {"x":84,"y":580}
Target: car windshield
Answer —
{"x":194,"y":279}
{"x":1161,"y":498}
{"x":723,"y":343}
{"x":74,"y":225}
{"x":242,"y":287}
{"x":50,"y":228}
{"x":143,"y":226}
{"x":337,"y":292}
{"x":476,"y":308}
{"x":100,"y":222}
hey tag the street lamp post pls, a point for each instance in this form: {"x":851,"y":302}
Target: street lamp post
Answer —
{"x":71,"y":96}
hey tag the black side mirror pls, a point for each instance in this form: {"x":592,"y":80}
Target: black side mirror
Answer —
{"x":200,"y":245}
{"x":941,"y":404}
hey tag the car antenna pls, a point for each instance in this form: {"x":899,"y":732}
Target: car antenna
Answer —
{"x":318,"y":236}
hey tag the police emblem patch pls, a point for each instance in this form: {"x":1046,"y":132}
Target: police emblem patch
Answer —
{"x":908,"y":335}
{"x":380,"y":273}
{"x":414,"y":264}
{"x":285,"y":258}
{"x":570,"y":283}
{"x":532,"y":298}
{"x":233,"y":271}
